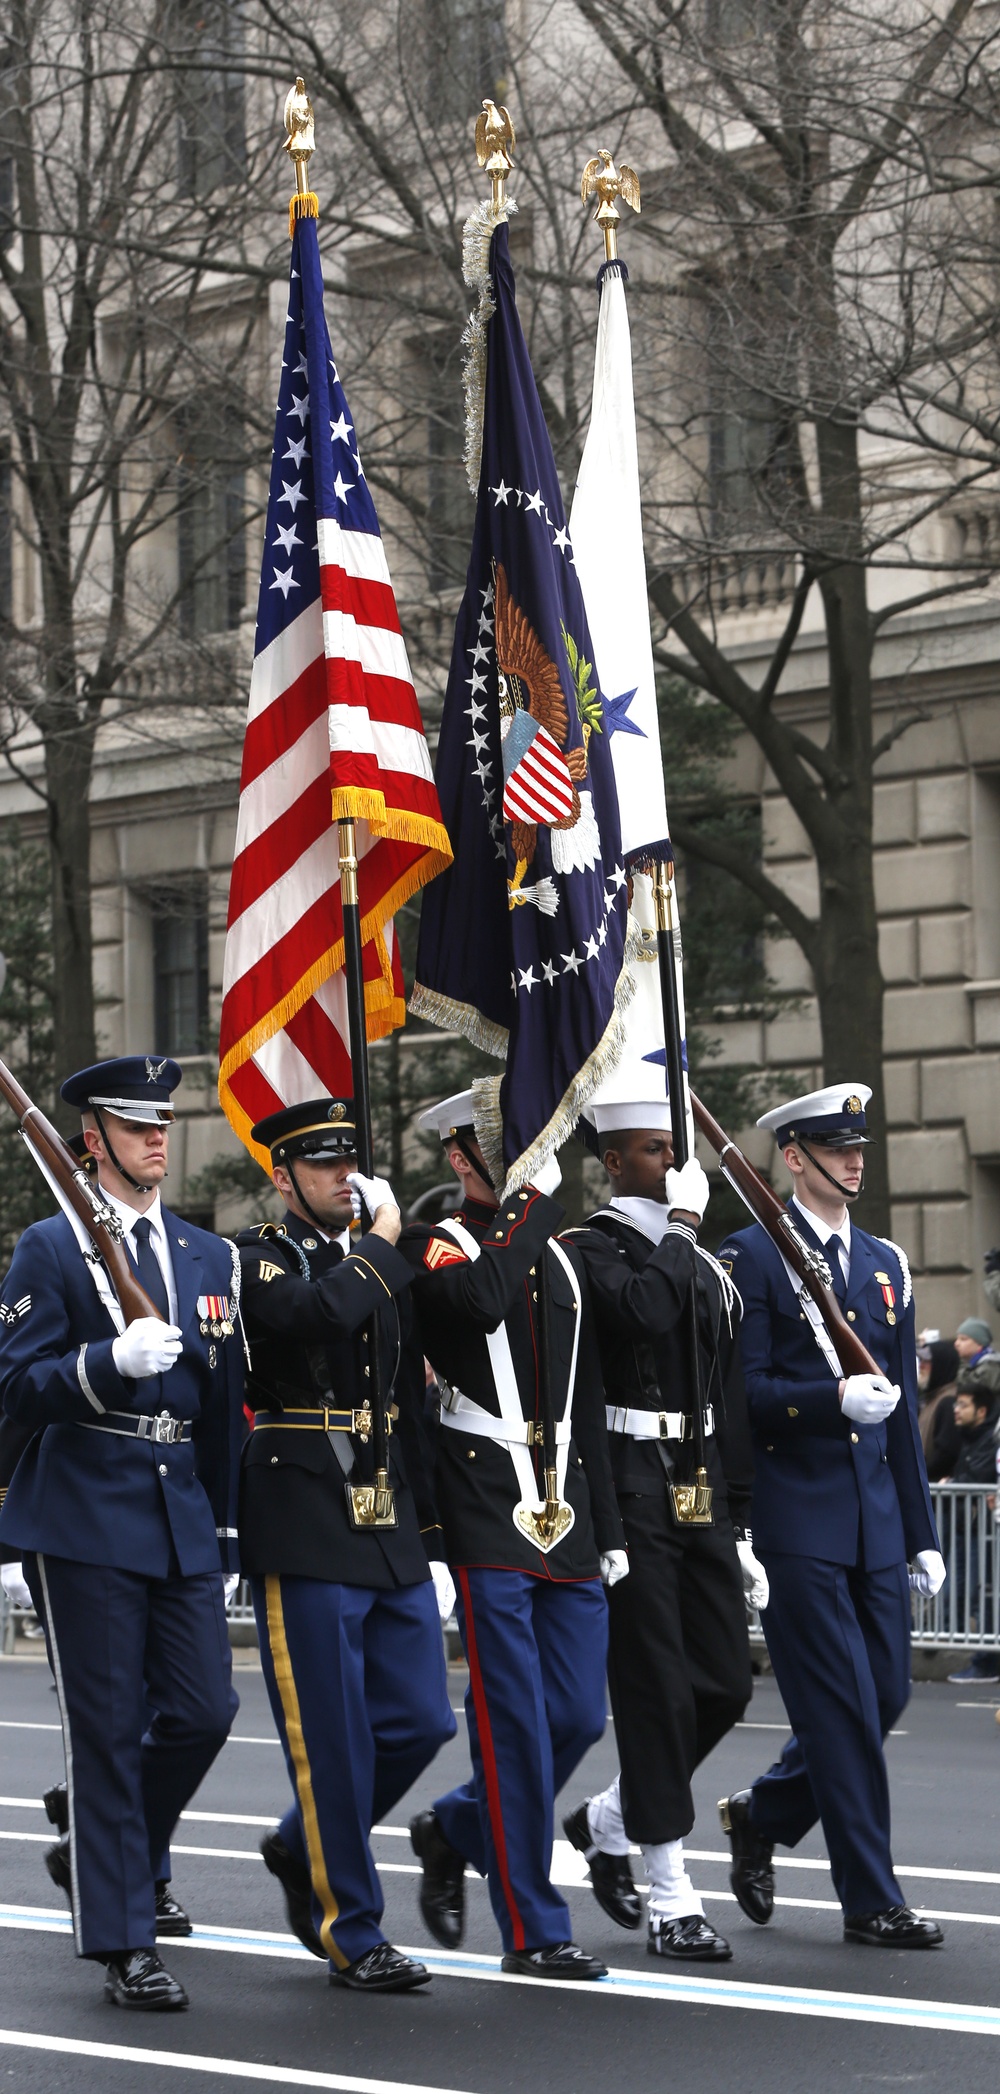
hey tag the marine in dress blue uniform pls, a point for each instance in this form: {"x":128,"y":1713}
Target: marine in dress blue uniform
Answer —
{"x":533,"y":1622}
{"x":348,"y":1617}
{"x":123,"y":1510}
{"x":840,"y":1505}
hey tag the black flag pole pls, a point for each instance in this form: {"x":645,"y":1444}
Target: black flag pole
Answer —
{"x":372,"y":1504}
{"x":692,"y":1501}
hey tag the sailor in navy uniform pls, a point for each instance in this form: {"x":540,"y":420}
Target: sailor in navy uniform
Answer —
{"x":123,"y":1510}
{"x":679,"y":1662}
{"x":533,"y":1618}
{"x":840,"y":1506}
{"x":349,"y":1617}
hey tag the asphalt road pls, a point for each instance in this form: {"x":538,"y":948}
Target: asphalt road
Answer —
{"x":796,"y":2009}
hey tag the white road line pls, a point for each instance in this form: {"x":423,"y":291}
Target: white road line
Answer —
{"x":6,"y":1725}
{"x":658,"y":1987}
{"x":223,"y":2068}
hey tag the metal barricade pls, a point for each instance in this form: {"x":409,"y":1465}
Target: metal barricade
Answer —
{"x":965,"y":1612}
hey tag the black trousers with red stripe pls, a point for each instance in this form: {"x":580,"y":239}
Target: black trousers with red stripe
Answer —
{"x":535,"y":1703}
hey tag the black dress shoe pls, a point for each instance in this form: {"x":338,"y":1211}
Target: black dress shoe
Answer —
{"x":171,"y":1918}
{"x":899,"y":1928}
{"x":690,"y":1940}
{"x":137,"y":1979}
{"x":296,"y":1883}
{"x":611,"y":1878}
{"x":382,"y":1969}
{"x":562,"y":1960}
{"x":57,"y":1863}
{"x":752,"y":1874}
{"x":56,"y":1801}
{"x":442,"y":1885}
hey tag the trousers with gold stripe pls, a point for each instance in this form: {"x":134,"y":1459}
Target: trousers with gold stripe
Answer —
{"x":358,"y":1689}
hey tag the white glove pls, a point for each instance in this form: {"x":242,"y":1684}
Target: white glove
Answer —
{"x":229,"y":1583}
{"x":614,"y":1566}
{"x":12,"y":1580}
{"x":444,"y":1589}
{"x":869,"y":1398}
{"x":756,"y":1590}
{"x":375,"y":1192}
{"x":929,"y":1575}
{"x":548,"y":1176}
{"x":688,"y":1188}
{"x":147,"y":1347}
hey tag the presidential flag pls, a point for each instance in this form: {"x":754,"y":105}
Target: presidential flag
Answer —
{"x":333,"y":730}
{"x":522,"y":940}
{"x":608,"y":547}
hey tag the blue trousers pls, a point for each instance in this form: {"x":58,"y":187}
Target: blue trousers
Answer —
{"x":535,"y":1703}
{"x":839,"y":1641}
{"x":114,"y":1640}
{"x":359,"y":1692}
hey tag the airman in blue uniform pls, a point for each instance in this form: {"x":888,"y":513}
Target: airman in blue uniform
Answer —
{"x":840,"y":1507}
{"x":123,"y":1511}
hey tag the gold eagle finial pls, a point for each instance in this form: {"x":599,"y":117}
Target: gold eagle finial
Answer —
{"x":601,"y":178}
{"x":495,"y":142}
{"x":298,"y":122}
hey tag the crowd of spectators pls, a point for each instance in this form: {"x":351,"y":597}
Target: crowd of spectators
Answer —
{"x":959,"y":1381}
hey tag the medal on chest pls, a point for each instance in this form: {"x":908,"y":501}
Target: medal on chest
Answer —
{"x":888,"y":1295}
{"x":215,"y":1315}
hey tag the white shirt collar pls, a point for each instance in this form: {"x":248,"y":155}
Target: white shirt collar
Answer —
{"x":128,"y":1216}
{"x":650,"y":1216}
{"x":824,"y":1229}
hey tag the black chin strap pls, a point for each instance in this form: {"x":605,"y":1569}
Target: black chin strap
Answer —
{"x":458,"y":1141}
{"x":830,"y":1179}
{"x":303,"y":1202}
{"x":120,"y":1167}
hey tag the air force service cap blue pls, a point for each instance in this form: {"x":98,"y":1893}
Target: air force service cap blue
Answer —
{"x":133,"y":1087}
{"x":833,"y":1117}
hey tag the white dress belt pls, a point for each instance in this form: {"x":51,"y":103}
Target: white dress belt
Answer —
{"x":656,"y":1425}
{"x":463,"y":1415}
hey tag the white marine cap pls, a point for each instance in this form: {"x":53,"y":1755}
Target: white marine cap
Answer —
{"x":835,"y":1115}
{"x":452,"y":1116}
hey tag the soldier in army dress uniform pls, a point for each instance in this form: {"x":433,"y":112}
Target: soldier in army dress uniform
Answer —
{"x":840,"y":1505}
{"x":348,"y":1617}
{"x":679,"y":1661}
{"x":533,"y":1621}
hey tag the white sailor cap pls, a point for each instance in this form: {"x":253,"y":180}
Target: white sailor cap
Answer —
{"x":453,"y":1116}
{"x":616,"y":1116}
{"x":835,"y":1116}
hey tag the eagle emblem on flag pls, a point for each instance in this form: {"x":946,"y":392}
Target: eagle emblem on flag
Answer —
{"x":542,"y":777}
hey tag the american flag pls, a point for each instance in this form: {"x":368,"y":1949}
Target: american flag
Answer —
{"x":333,"y":730}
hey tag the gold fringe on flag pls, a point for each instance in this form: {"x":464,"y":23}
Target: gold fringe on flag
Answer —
{"x":304,"y":204}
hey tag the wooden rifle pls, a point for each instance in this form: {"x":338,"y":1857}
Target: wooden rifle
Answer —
{"x":808,"y":1264}
{"x":79,"y":1196}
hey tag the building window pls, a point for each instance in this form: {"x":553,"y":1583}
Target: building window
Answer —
{"x":211,"y":95}
{"x":751,"y":391}
{"x":466,"y":57}
{"x":211,"y":554}
{"x":180,"y":968}
{"x":6,"y":538}
{"x":449,"y":508}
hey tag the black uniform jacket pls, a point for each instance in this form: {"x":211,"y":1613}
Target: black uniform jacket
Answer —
{"x":305,"y":1307}
{"x":459,"y":1301}
{"x":14,"y":1438}
{"x":640,"y":1293}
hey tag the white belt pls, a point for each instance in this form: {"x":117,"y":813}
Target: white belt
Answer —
{"x":656,"y":1425}
{"x":461,"y":1414}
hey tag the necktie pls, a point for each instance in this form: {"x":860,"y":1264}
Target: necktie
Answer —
{"x":833,"y":1259}
{"x":150,"y":1270}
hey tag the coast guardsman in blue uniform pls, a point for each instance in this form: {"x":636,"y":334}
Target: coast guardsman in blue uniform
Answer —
{"x":533,"y":1616}
{"x":123,"y":1512}
{"x":840,"y":1507}
{"x":348,"y":1615}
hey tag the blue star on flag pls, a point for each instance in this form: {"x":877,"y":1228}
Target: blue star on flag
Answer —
{"x":616,"y":718}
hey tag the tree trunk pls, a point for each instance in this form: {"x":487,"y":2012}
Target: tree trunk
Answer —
{"x":68,"y":764}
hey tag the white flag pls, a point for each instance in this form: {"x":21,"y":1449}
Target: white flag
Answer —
{"x":606,"y":530}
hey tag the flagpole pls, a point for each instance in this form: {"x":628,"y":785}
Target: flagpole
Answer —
{"x":369,"y":1505}
{"x":692,"y":1501}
